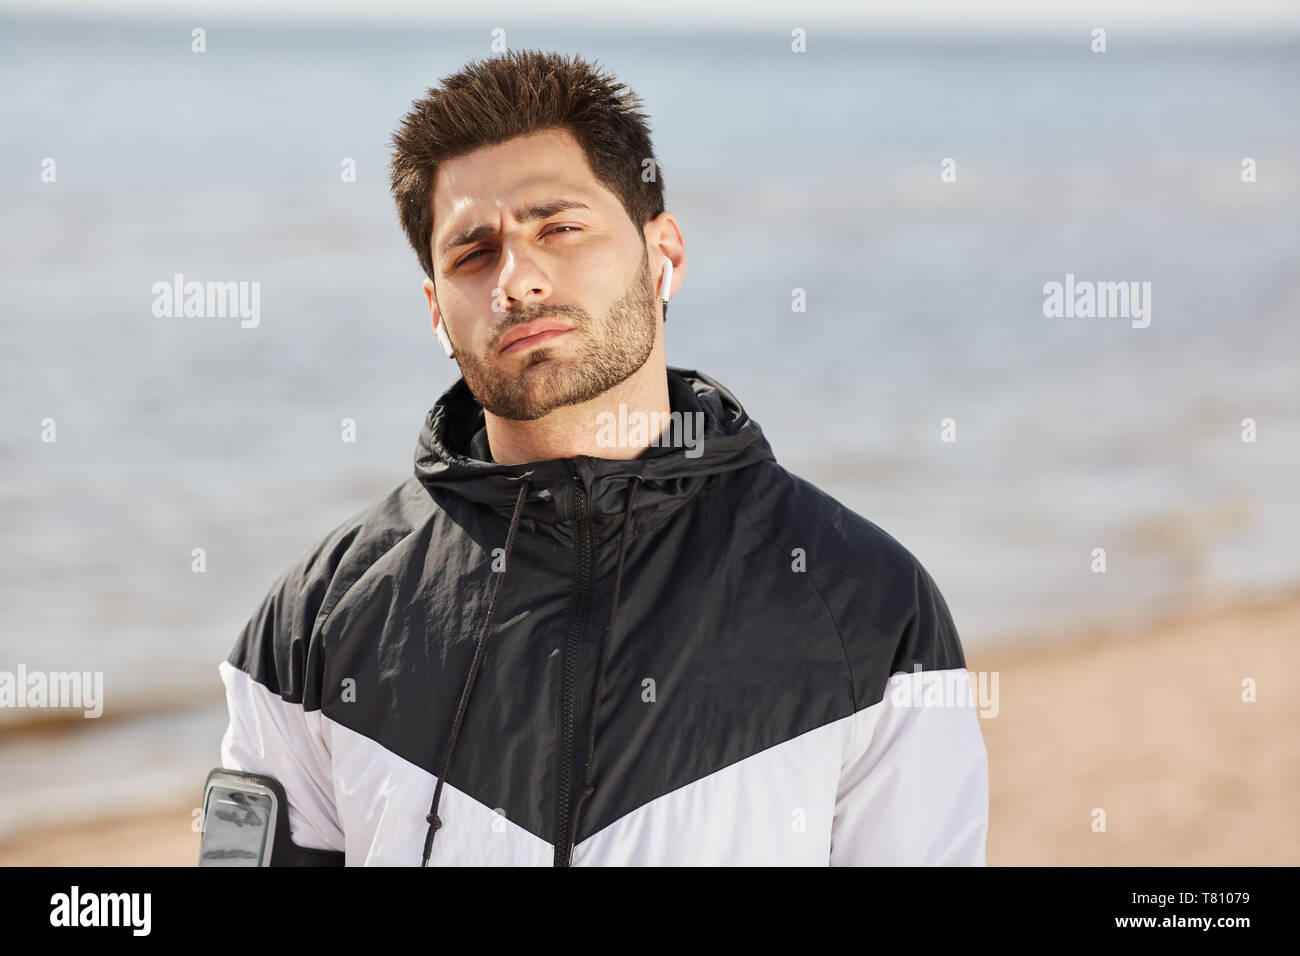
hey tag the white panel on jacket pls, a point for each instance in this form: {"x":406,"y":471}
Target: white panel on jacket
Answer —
{"x":914,"y":787}
{"x":384,"y":801}
{"x":272,"y":736}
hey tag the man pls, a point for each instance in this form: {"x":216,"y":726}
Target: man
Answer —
{"x":600,"y":625}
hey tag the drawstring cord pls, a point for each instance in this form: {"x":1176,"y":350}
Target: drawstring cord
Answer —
{"x":587,"y":787}
{"x":434,"y":821}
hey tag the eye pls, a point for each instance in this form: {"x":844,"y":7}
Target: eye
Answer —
{"x":477,"y":252}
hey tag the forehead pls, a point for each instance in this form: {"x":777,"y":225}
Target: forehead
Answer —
{"x":478,"y":184}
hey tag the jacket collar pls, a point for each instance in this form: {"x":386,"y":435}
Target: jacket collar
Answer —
{"x":668,"y":476}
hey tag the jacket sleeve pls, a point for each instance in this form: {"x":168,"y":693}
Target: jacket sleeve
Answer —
{"x":272,"y":684}
{"x":913,"y":787}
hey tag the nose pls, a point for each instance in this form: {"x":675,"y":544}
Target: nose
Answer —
{"x":520,"y":281}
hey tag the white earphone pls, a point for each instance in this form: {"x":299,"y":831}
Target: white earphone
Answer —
{"x":442,"y":338}
{"x":664,"y":286}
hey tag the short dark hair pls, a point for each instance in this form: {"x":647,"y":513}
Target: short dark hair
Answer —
{"x":513,"y":94}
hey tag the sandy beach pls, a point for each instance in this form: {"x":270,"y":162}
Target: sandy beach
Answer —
{"x":1147,"y":724}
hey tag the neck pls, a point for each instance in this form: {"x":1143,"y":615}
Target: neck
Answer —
{"x":575,"y":429}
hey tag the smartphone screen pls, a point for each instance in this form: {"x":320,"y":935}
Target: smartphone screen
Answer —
{"x":236,"y":827}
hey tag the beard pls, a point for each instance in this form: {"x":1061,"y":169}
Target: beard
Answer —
{"x":602,"y":353}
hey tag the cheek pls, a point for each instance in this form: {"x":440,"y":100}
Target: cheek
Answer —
{"x":597,"y":284}
{"x":469,"y":307}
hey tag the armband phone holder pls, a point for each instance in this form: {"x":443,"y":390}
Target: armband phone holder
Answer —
{"x":246,"y":823}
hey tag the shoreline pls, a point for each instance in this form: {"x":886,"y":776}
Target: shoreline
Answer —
{"x":1143,"y":722}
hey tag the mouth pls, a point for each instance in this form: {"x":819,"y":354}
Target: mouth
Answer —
{"x":525,"y":336}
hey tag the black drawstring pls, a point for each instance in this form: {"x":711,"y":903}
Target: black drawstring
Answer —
{"x":587,"y":787}
{"x":434,"y":821}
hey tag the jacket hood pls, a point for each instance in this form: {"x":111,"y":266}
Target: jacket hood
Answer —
{"x":666,"y":473}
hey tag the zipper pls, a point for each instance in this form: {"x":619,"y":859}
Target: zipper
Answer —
{"x":568,"y":704}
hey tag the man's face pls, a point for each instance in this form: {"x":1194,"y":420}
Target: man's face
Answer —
{"x":582,"y":272}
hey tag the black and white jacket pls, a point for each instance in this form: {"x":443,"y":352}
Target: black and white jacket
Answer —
{"x":678,"y":659}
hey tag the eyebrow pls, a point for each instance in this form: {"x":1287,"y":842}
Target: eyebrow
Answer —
{"x":529,"y":213}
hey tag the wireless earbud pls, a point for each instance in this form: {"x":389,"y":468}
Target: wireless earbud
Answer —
{"x":442,"y":338}
{"x":668,"y":279}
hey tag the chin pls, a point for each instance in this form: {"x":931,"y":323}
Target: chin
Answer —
{"x":544,"y":358}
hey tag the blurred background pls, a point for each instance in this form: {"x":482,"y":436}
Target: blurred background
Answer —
{"x":819,"y":171}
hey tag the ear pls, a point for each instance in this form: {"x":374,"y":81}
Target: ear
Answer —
{"x":439,"y":326}
{"x":668,"y":253}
